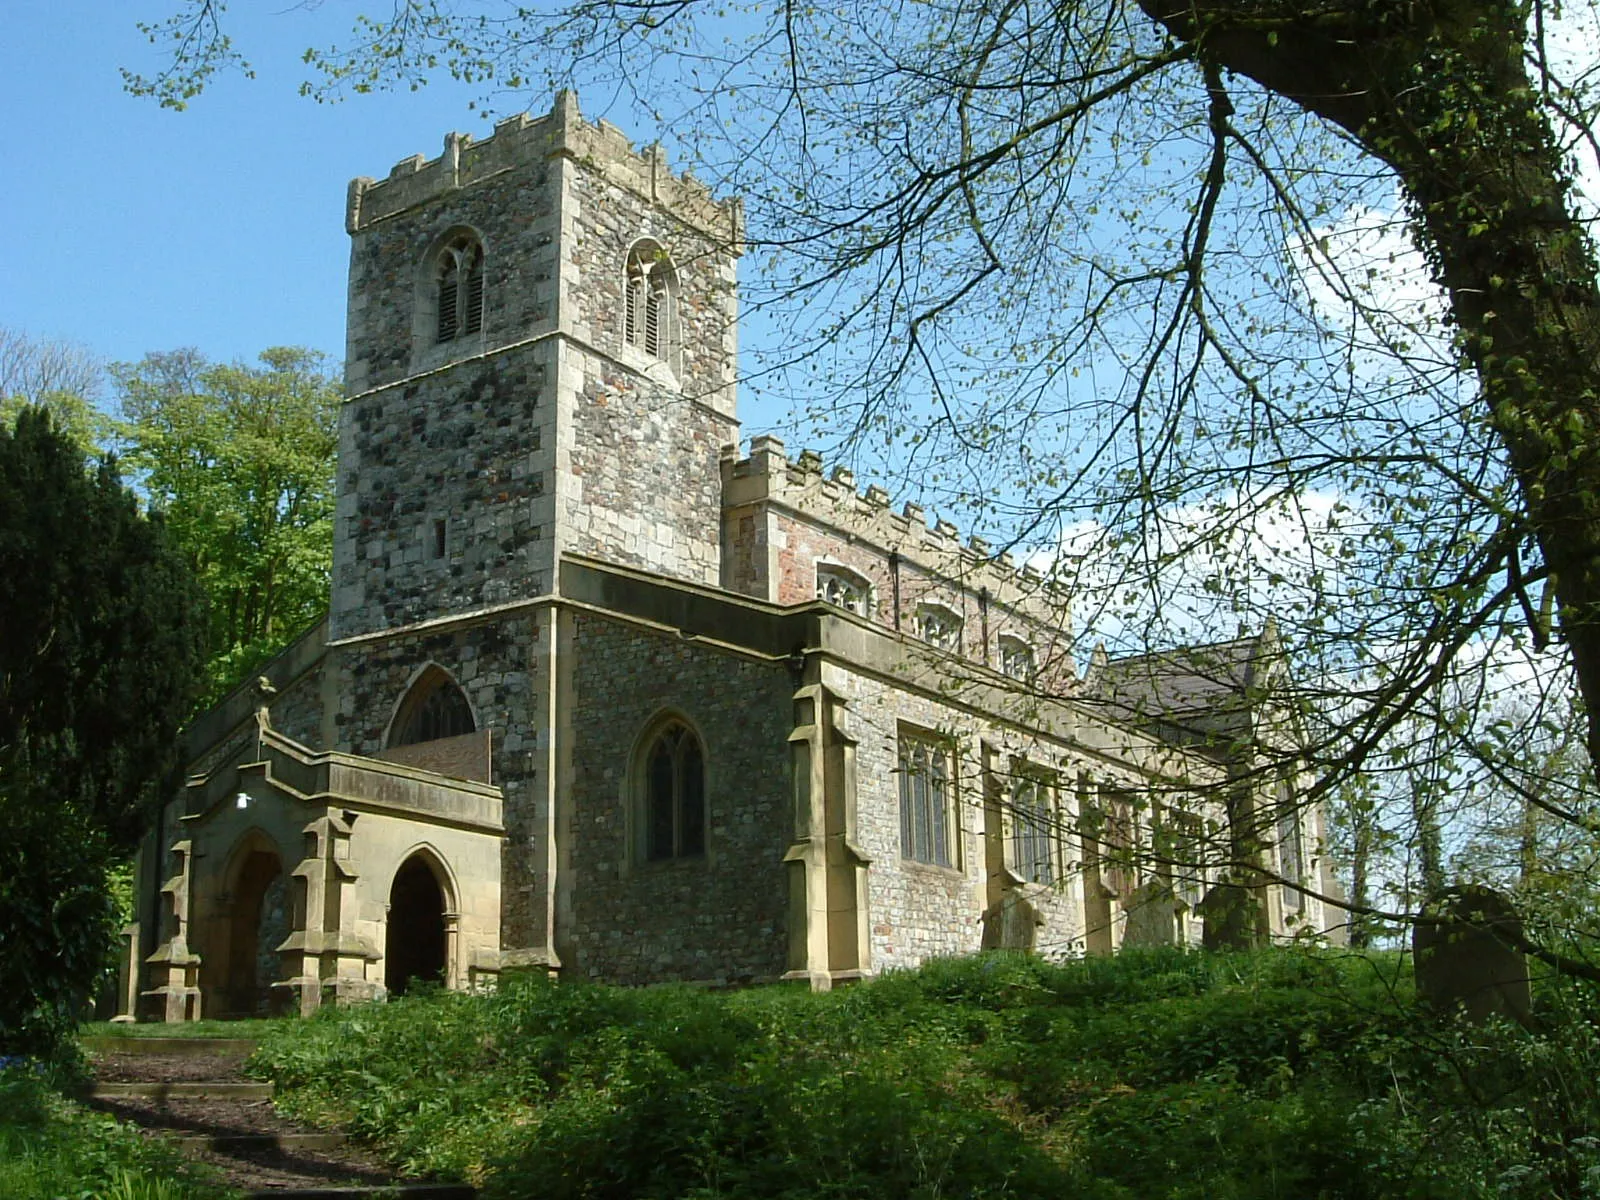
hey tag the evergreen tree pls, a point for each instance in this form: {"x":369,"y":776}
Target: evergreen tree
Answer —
{"x":101,"y":645}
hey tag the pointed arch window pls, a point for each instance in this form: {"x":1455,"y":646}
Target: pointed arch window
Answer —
{"x":459,"y":275}
{"x":435,"y":708}
{"x":673,"y":778}
{"x":649,"y":299}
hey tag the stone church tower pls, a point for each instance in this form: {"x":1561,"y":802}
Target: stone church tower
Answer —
{"x":542,"y":332}
{"x":597,"y":694}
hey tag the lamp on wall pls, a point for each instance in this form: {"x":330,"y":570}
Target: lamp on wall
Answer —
{"x":242,"y":800}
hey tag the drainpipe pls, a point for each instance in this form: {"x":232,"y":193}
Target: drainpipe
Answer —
{"x":983,"y":612}
{"x":894,"y":574}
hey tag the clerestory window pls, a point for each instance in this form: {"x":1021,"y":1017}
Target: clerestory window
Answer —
{"x":939,"y":627}
{"x":459,"y":276}
{"x":842,"y":586}
{"x":1016,"y":659}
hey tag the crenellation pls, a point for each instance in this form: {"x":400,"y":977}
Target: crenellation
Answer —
{"x":519,"y":140}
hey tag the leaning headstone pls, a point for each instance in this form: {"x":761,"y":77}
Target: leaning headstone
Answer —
{"x":1152,"y":916}
{"x":1011,"y":923}
{"x":1230,"y":915}
{"x":1467,"y":958}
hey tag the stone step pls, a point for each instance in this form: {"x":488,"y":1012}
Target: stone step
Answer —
{"x":182,"y":1090}
{"x":393,"y":1191}
{"x":257,"y":1143}
{"x":169,"y":1047}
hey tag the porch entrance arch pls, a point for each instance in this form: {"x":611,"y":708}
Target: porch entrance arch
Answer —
{"x":416,"y":940}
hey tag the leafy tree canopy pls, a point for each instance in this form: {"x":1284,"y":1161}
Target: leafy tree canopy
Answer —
{"x":239,"y":459}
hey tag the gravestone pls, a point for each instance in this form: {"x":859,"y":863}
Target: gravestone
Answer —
{"x":1011,"y":923}
{"x":1152,"y":916}
{"x":1232,"y":918}
{"x":1466,"y":956}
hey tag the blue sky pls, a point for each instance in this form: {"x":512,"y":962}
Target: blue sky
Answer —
{"x":220,"y":227}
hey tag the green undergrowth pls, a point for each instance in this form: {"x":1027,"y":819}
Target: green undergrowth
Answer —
{"x":1289,"y":1074}
{"x":54,"y":1149}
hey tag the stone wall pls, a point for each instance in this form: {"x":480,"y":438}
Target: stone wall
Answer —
{"x":469,"y":447}
{"x":719,"y":918}
{"x":640,"y":485}
{"x":296,"y":711}
{"x":916,"y":910}
{"x":601,"y":224}
{"x":497,"y":664}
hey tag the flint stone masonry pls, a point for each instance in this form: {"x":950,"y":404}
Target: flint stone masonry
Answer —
{"x":472,"y":450}
{"x":721,"y":918}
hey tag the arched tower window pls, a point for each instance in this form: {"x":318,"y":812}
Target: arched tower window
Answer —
{"x":459,"y":273}
{"x":673,"y":795}
{"x":650,"y":292}
{"x":434,"y":708}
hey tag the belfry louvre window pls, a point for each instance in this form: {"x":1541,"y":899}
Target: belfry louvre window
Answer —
{"x":460,"y":276}
{"x":926,"y":815}
{"x":674,"y":795}
{"x":1033,"y":828}
{"x":648,"y":294}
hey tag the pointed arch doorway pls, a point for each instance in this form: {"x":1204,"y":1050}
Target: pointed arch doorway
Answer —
{"x":416,"y":940}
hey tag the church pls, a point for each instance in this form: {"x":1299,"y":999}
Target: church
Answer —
{"x":604,"y":692}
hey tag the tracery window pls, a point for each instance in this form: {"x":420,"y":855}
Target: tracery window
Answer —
{"x":842,"y":586}
{"x":674,"y":799}
{"x":649,"y":294}
{"x":434,"y":708}
{"x":1291,"y":845}
{"x":1186,"y":850}
{"x":459,"y":274}
{"x":1033,"y":827}
{"x":927,"y":817}
{"x":939,"y":627}
{"x":1016,"y":659}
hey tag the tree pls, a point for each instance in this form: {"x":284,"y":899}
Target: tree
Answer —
{"x":239,"y":459}
{"x":970,"y":207}
{"x":99,"y":664}
{"x":59,"y":376}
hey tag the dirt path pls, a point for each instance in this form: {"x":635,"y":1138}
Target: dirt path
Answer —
{"x":195,"y":1091}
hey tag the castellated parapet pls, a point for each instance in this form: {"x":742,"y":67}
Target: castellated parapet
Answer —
{"x":787,"y":521}
{"x":517,"y":140}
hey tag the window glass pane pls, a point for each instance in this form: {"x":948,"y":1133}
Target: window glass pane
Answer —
{"x":692,"y":803}
{"x":659,"y":802}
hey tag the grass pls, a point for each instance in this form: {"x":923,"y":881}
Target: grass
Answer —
{"x":54,"y":1149}
{"x":1282,"y":1075}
